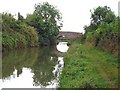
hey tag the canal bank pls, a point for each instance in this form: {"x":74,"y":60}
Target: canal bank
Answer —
{"x":86,"y":67}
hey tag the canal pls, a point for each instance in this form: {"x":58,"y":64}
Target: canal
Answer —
{"x":33,"y":67}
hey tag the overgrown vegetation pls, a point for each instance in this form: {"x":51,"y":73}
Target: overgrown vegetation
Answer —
{"x":104,"y":30}
{"x":88,"y":67}
{"x":39,"y":28}
{"x":16,"y":33}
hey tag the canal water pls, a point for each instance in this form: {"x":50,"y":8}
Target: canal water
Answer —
{"x":33,"y":67}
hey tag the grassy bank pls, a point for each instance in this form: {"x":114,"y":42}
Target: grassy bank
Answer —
{"x":86,"y":67}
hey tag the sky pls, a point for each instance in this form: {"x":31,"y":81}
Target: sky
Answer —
{"x":75,"y":13}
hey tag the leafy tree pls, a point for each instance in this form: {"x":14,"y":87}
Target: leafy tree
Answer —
{"x":101,"y":14}
{"x":20,"y":17}
{"x":8,"y":22}
{"x":47,"y":20}
{"x":103,"y":31}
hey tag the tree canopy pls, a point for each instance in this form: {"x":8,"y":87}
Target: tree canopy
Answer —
{"x":47,"y":21}
{"x":103,"y":31}
{"x":102,"y":14}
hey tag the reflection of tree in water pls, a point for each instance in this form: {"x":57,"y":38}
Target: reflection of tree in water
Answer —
{"x":19,"y":71}
{"x":17,"y":60}
{"x":43,"y":68}
{"x":41,"y":61}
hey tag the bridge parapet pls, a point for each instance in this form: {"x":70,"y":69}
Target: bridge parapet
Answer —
{"x":70,"y":35}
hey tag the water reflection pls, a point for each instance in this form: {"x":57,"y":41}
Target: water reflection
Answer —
{"x":33,"y":67}
{"x":62,"y":46}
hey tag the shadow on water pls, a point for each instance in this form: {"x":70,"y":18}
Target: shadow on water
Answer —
{"x":33,"y":65}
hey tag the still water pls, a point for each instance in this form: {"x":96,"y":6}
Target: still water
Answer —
{"x":33,"y":68}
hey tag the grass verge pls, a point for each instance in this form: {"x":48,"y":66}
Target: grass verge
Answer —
{"x":86,"y":67}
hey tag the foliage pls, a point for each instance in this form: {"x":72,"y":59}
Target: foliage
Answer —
{"x":17,"y":34}
{"x":30,"y":34}
{"x":20,"y":17}
{"x":8,"y":22}
{"x":102,"y":14}
{"x":41,"y":27}
{"x":0,"y":29}
{"x":103,"y":30}
{"x":13,"y":40}
{"x":47,"y":21}
{"x":0,"y":38}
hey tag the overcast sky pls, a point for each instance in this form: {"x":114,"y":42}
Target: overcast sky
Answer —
{"x":75,"y":13}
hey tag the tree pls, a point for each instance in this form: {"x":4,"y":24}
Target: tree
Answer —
{"x":8,"y":21}
{"x":99,"y":16}
{"x":47,"y":21}
{"x":102,"y":14}
{"x":103,"y":31}
{"x":20,"y":17}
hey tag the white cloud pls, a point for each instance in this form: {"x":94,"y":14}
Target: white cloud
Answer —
{"x":75,"y":13}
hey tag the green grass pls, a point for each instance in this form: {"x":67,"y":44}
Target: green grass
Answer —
{"x":87,"y":67}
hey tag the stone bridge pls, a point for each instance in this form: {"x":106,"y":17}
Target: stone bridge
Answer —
{"x":70,"y":35}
